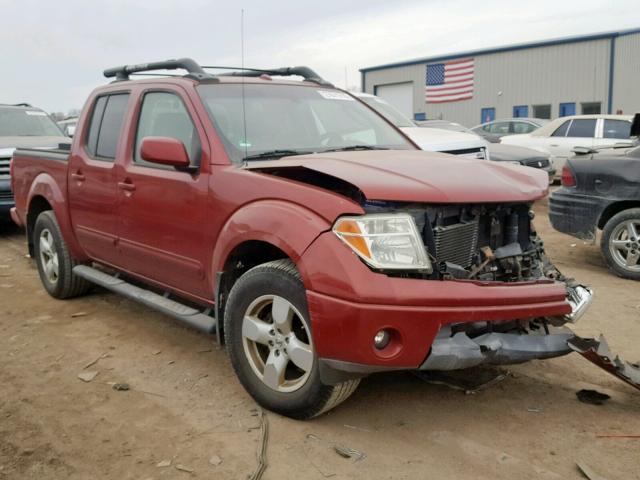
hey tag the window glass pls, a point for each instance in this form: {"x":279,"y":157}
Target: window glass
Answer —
{"x":94,"y":126}
{"x":591,"y":108}
{"x":582,"y":128}
{"x":111,"y":125}
{"x":522,"y":127}
{"x":542,"y":111}
{"x":499,"y":128}
{"x":561,"y":131}
{"x":19,"y":122}
{"x":616,"y":129}
{"x":163,"y":114}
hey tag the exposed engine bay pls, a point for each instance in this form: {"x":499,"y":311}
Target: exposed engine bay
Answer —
{"x":493,"y":242}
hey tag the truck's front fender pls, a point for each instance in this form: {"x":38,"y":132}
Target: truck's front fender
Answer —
{"x":285,"y":225}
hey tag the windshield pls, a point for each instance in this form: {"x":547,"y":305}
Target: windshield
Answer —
{"x":288,"y":119}
{"x":387,"y":111}
{"x":15,"y":122}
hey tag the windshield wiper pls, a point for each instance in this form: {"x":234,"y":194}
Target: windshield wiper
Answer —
{"x":355,"y":147}
{"x":273,"y":154}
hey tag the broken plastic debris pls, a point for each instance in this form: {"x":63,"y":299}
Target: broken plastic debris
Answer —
{"x":87,"y":376}
{"x":592,"y":397}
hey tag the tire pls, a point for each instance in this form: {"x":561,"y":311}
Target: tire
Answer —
{"x":55,"y":264}
{"x":620,"y":244}
{"x":259,"y":348}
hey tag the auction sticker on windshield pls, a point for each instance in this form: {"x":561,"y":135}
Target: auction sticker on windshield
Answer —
{"x":334,"y":95}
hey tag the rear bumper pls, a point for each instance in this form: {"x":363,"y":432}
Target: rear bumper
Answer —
{"x":575,"y":214}
{"x":349,"y":304}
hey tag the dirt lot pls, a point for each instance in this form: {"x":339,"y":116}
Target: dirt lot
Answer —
{"x":185,"y":404}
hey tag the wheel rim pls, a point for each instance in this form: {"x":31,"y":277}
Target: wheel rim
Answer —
{"x":624,"y":245}
{"x":277,"y":343}
{"x":49,"y":256}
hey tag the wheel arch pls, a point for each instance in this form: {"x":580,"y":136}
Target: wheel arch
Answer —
{"x":614,"y":208}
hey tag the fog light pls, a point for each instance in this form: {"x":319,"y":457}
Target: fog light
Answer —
{"x":381,"y":339}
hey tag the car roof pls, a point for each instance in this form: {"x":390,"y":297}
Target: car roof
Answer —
{"x":537,"y":121}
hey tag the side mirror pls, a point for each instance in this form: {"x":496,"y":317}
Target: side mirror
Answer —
{"x":164,"y":151}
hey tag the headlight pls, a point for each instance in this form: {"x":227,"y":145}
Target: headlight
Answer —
{"x":386,"y":242}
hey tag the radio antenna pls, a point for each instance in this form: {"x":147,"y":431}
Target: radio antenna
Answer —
{"x":245,"y":142}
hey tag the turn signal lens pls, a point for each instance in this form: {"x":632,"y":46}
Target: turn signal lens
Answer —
{"x":384,"y":241}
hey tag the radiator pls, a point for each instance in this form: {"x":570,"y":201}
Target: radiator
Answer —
{"x":456,"y":243}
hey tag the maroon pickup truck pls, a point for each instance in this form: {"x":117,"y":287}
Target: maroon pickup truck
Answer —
{"x":299,"y":226}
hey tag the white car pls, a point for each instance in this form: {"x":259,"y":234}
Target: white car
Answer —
{"x":431,"y":139}
{"x":559,"y":137}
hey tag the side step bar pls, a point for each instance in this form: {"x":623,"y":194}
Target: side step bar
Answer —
{"x":188,"y":315}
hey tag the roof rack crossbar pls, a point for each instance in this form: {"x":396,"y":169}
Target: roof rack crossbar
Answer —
{"x":191,"y":66}
{"x":304,"y":72}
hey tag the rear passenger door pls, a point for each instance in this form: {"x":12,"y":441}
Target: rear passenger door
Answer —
{"x":162,"y":233}
{"x":612,"y":131}
{"x":92,"y":195}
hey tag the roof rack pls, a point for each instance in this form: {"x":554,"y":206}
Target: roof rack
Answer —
{"x":305,"y":72}
{"x":191,"y":66}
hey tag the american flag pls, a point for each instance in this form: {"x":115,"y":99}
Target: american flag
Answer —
{"x":449,"y":81}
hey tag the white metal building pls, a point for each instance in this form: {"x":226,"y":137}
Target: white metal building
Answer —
{"x":597,"y":73}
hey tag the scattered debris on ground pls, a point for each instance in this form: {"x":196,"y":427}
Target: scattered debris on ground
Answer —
{"x":163,"y":463}
{"x":96,"y":360}
{"x":123,"y":387}
{"x":262,"y":449}
{"x":79,"y":314}
{"x":341,"y":450}
{"x":469,"y":381}
{"x":184,"y":468}
{"x":588,"y":472}
{"x":592,"y":397}
{"x":215,"y":460}
{"x":88,"y":376}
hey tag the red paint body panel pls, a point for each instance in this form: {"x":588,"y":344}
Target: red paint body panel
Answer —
{"x":176,"y":229}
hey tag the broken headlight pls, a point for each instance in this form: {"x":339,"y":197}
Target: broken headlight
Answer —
{"x":385,"y":242}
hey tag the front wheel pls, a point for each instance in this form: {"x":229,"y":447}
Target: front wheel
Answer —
{"x":620,"y":243}
{"x":55,"y":264}
{"x":269,"y":340}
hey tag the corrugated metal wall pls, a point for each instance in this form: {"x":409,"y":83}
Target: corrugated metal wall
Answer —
{"x":626,"y":75}
{"x":575,"y":72}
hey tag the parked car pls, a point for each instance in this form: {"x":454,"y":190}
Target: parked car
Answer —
{"x":434,"y":140}
{"x":601,"y":190}
{"x":22,"y":125}
{"x":68,"y":126}
{"x":493,"y":131}
{"x":560,"y":136}
{"x":498,"y":152}
{"x":299,"y":226}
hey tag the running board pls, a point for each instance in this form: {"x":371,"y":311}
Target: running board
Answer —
{"x":190,"y":316}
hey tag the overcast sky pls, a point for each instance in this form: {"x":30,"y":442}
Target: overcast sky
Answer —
{"x":52,"y":53}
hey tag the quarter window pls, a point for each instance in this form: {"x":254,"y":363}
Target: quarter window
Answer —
{"x":94,"y":126}
{"x":561,"y":131}
{"x":111,"y":126}
{"x":616,"y":129}
{"x":163,"y":114}
{"x":582,"y":128}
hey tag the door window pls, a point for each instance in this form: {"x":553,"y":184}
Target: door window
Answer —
{"x":582,"y":128}
{"x":501,"y":128}
{"x":163,"y":114}
{"x":94,"y":126}
{"x":561,"y":131}
{"x":111,"y":126}
{"x":616,"y":129}
{"x":522,"y":127}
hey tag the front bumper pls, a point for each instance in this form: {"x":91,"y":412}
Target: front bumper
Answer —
{"x":349,"y":304}
{"x":6,"y":199}
{"x":575,"y":214}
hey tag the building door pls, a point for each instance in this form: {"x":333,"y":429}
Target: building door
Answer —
{"x":487,"y":115}
{"x":400,"y":95}
{"x":567,"y":109}
{"x":520,"y":111}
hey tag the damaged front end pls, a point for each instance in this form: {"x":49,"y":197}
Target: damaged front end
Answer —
{"x":490,"y":243}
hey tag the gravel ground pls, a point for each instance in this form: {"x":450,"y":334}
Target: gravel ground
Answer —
{"x":185,"y":413}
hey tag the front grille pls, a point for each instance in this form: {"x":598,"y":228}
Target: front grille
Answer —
{"x":4,"y":167}
{"x":537,"y":162}
{"x":456,"y":243}
{"x":6,"y":196}
{"x":477,"y":152}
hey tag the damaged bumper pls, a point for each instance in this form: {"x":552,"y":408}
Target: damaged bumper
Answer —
{"x":598,"y":352}
{"x":460,"y":351}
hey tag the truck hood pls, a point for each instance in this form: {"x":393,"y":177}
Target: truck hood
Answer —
{"x":32,"y":142}
{"x":418,"y":176}
{"x":440,"y":140}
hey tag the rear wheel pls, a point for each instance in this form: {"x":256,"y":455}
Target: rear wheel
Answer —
{"x":620,"y":243}
{"x":54,"y":261}
{"x":268,"y":336}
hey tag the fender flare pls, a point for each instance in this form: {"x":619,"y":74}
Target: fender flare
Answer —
{"x":285,"y":225}
{"x":44,"y":185}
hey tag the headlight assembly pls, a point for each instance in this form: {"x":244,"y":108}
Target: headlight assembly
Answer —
{"x":385,"y":242}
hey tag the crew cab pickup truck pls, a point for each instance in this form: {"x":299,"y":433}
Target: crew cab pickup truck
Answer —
{"x":299,"y":226}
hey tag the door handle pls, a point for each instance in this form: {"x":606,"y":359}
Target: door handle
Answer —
{"x":78,"y":176}
{"x":126,"y":186}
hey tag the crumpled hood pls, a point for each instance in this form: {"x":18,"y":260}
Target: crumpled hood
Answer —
{"x":32,"y":142}
{"x":419,"y":176}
